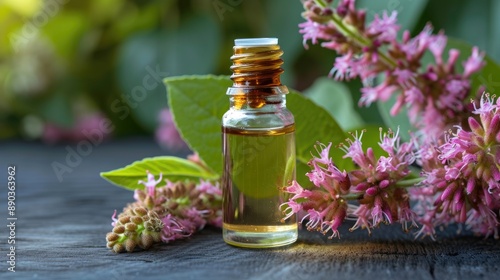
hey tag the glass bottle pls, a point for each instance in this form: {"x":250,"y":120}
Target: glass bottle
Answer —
{"x":258,"y":149}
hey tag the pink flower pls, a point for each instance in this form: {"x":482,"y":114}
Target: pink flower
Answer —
{"x":437,"y":45}
{"x":385,"y":27}
{"x":151,"y":183}
{"x":405,"y":77}
{"x":313,"y":31}
{"x":474,"y":63}
{"x":114,"y":219}
{"x":172,"y":229}
{"x":381,"y":92}
{"x":344,"y":68}
{"x":209,"y":188}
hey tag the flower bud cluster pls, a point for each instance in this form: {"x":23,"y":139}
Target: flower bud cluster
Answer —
{"x":180,"y":209}
{"x":136,"y":227}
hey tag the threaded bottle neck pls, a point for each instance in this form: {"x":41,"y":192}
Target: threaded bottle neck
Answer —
{"x":257,"y":66}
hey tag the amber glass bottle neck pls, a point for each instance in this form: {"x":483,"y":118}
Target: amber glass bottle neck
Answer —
{"x":256,"y":66}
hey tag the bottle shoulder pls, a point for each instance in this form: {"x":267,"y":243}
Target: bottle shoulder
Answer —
{"x":257,"y":119}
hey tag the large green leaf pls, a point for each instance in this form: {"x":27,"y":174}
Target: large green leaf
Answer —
{"x":336,"y":98}
{"x":301,"y":170}
{"x":313,"y":125}
{"x":198,"y":103}
{"x":171,"y":168}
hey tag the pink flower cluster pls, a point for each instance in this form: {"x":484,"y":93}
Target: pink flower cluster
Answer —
{"x":325,"y":206}
{"x":462,"y":176}
{"x":383,"y":201}
{"x":184,"y":208}
{"x":434,"y":96}
{"x":374,"y":184}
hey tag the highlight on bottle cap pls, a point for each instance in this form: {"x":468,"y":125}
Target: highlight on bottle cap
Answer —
{"x":254,"y":42}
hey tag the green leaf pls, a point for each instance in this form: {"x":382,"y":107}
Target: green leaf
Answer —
{"x":314,"y":124}
{"x":171,"y":168}
{"x":301,"y":169}
{"x":199,"y":102}
{"x":336,"y":98}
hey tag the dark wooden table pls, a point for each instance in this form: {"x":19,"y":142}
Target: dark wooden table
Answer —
{"x":61,"y":228}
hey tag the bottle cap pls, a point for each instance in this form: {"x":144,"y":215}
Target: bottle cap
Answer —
{"x":253,"y":42}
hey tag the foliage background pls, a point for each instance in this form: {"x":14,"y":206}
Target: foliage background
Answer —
{"x":87,"y":57}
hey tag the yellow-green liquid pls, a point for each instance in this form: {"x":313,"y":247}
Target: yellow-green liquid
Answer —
{"x":258,"y":165}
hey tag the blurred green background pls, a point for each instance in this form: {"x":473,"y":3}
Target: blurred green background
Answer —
{"x":67,"y":64}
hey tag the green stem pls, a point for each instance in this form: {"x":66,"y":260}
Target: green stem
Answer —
{"x":409,"y":182}
{"x":352,"y":196}
{"x":358,"y":38}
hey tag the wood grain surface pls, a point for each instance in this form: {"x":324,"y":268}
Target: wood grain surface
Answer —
{"x":61,"y":228}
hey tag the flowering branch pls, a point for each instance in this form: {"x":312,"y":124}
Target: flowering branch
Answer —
{"x":166,"y":213}
{"x":436,"y":97}
{"x":460,"y":170}
{"x":376,"y":185}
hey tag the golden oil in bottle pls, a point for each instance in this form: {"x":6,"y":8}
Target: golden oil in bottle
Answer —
{"x":258,"y":148}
